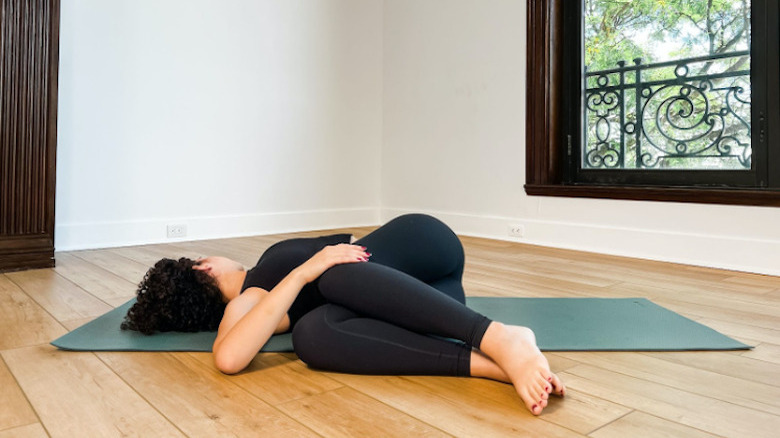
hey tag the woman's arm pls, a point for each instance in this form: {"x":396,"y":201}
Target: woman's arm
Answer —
{"x":252,"y":318}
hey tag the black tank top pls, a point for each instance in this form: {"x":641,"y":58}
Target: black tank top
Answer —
{"x":281,"y":258}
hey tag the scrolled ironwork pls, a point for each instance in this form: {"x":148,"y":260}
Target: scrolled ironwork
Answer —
{"x":683,"y":121}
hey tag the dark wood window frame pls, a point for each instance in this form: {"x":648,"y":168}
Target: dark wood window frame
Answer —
{"x":545,"y":111}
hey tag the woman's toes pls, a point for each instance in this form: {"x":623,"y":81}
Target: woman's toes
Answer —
{"x":532,"y":402}
{"x":558,"y":387}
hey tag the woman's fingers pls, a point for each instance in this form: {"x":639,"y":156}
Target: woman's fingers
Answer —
{"x":346,"y":253}
{"x":331,"y":256}
{"x":342,"y":253}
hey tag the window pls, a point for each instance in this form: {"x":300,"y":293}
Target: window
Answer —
{"x":640,"y":99}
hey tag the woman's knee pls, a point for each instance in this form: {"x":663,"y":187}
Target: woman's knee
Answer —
{"x":434,"y":233}
{"x":420,"y":223}
{"x":305,"y":335}
{"x":419,"y":245}
{"x":315,"y":336}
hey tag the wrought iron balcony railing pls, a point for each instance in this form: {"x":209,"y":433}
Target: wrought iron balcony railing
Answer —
{"x":663,"y":116}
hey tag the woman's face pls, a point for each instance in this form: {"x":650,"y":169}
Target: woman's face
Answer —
{"x":216,"y":266}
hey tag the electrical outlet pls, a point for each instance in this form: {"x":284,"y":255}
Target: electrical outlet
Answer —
{"x":177,"y":231}
{"x":515,"y":230}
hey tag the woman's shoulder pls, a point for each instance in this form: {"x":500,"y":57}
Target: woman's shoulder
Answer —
{"x":248,"y":299}
{"x":242,"y":304}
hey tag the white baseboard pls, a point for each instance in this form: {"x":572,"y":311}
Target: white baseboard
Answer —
{"x":710,"y":250}
{"x":717,"y":251}
{"x":69,"y":237}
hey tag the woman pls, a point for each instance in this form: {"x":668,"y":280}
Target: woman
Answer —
{"x":387,"y":316}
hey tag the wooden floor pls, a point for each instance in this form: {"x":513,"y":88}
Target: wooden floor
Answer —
{"x":46,"y":392}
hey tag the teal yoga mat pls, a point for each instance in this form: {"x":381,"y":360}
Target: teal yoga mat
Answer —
{"x":560,"y":324}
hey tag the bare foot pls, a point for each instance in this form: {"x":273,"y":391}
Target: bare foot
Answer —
{"x":483,"y":366}
{"x":514,"y":349}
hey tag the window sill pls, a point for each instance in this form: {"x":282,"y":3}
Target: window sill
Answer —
{"x":766,"y":198}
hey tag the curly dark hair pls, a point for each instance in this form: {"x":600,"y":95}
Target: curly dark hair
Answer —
{"x":175,"y":297}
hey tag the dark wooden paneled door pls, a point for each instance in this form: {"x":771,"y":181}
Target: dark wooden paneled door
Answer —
{"x":29,"y":55}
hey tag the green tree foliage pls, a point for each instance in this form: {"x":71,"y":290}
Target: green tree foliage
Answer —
{"x":622,"y":30}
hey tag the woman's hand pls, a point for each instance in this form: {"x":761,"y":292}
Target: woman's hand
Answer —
{"x":331,"y":256}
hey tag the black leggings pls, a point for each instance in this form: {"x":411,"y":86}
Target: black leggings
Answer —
{"x":391,"y":315}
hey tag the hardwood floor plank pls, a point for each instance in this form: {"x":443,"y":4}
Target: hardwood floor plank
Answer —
{"x":276,"y":378}
{"x":746,"y":333}
{"x":761,"y":282}
{"x":674,"y":276}
{"x":711,"y":297}
{"x":540,"y":275}
{"x":29,"y":431}
{"x":73,"y":324}
{"x":474,"y":289}
{"x":766,"y":352}
{"x":206,"y":249}
{"x":344,"y":412}
{"x":528,"y":286}
{"x":22,"y":321}
{"x":99,"y":282}
{"x":759,"y":305}
{"x":15,"y":411}
{"x":727,"y":363}
{"x":640,"y":424}
{"x":75,"y":394}
{"x":583,"y":412}
{"x":148,"y":255}
{"x":59,"y":296}
{"x":114,"y":263}
{"x":579,"y":412}
{"x":692,"y":410}
{"x":456,"y":407}
{"x":559,"y":363}
{"x":725,"y":314}
{"x":753,"y":395}
{"x":197,"y":398}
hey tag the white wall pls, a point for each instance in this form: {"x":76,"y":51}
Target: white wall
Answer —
{"x":240,"y":117}
{"x":454,"y":112}
{"x":232,"y":117}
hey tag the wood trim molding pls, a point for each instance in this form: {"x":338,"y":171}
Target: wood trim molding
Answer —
{"x":29,"y":64}
{"x":26,"y":252}
{"x":766,"y":198}
{"x":543,"y":92}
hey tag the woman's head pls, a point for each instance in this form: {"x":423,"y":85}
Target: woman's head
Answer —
{"x":175,"y":297}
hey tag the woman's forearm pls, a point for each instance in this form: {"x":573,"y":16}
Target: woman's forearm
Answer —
{"x":247,"y":325}
{"x":243,"y":338}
